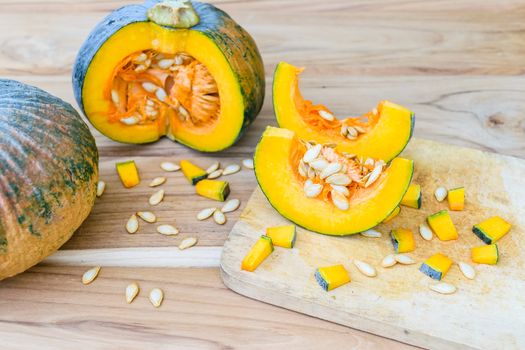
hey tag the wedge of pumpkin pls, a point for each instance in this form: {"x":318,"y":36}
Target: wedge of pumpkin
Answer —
{"x":277,"y":161}
{"x":381,"y":133}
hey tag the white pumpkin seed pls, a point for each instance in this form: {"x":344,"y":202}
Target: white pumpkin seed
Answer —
{"x":156,"y":197}
{"x":157,"y":181}
{"x":156,"y":295}
{"x":360,"y":129}
{"x":312,"y":190}
{"x":369,"y":162}
{"x":140,"y":58}
{"x":147,"y":216}
{"x":443,"y":288}
{"x":351,"y":131}
{"x":231,"y":169}
{"x":149,"y":87}
{"x":326,"y":115}
{"x":339,"y":200}
{"x":90,"y":275}
{"x":231,"y":205}
{"x":312,"y":153}
{"x":167,"y":230}
{"x":215,"y":174}
{"x":331,"y":169}
{"x":311,"y":173}
{"x":187,"y":243}
{"x":115,"y":97}
{"x":467,"y":270}
{"x":303,"y":169}
{"x":344,"y":130}
{"x":319,"y":164}
{"x":365,"y":269}
{"x":351,"y":137}
{"x":339,"y":179}
{"x":248,"y":163}
{"x":183,"y":112}
{"x":169,"y":166}
{"x":132,"y":290}
{"x":425,"y":232}
{"x":205,"y":213}
{"x":165,"y":63}
{"x":371,"y":233}
{"x":388,"y":261}
{"x":131,"y":120}
{"x":341,"y":189}
{"x":440,"y":194}
{"x":404,"y":259}
{"x":213,"y":167}
{"x":132,"y":225}
{"x":219,"y":217}
{"x":101,"y":186}
{"x":374,"y":175}
{"x":161,"y":94}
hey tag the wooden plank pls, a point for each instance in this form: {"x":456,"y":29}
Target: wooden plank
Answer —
{"x":398,"y":303}
{"x":49,"y":306}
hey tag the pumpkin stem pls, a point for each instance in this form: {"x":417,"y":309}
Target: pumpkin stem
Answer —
{"x":174,"y":13}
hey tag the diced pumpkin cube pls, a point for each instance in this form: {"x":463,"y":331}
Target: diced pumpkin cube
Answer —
{"x":442,"y":225}
{"x":456,"y":198}
{"x":128,"y":173}
{"x":392,"y":215}
{"x":486,"y":254}
{"x":213,"y":189}
{"x":193,"y":173}
{"x":492,"y":229}
{"x":260,"y":251}
{"x":403,"y":240}
{"x":282,"y":236}
{"x":331,"y":277}
{"x":412,"y":197}
{"x":436,"y":266}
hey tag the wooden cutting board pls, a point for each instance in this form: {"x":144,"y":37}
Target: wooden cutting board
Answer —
{"x":485,"y":313}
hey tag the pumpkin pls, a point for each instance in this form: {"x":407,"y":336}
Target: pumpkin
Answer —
{"x":327,"y":202}
{"x":48,"y":175}
{"x":257,"y":254}
{"x":436,"y":266}
{"x":486,"y":254}
{"x":128,"y":173}
{"x":331,"y":277}
{"x":412,"y":198}
{"x":442,"y":225}
{"x":180,"y":69}
{"x":213,"y":189}
{"x":282,"y":236}
{"x":381,"y":133}
{"x":192,"y":172}
{"x":402,"y":240}
{"x":456,"y":198}
{"x":492,"y":229}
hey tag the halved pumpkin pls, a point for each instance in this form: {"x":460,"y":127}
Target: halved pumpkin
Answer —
{"x":382,"y":133}
{"x":276,"y":158}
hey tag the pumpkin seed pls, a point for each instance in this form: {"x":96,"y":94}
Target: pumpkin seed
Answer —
{"x":131,"y":120}
{"x":302,"y":169}
{"x":467,"y":270}
{"x":219,"y":217}
{"x":365,"y":269}
{"x":140,"y":58}
{"x":156,"y":295}
{"x":167,"y":230}
{"x":169,"y":166}
{"x":311,"y":173}
{"x":341,"y":189}
{"x":339,"y":179}
{"x":339,"y":200}
{"x":179,"y":60}
{"x":101,"y":186}
{"x":149,"y":87}
{"x":425,"y":232}
{"x":349,"y":155}
{"x":360,"y":129}
{"x":187,"y":243}
{"x":371,"y":233}
{"x":369,"y":162}
{"x":312,"y":153}
{"x":231,"y":169}
{"x":404,"y":259}
{"x":90,"y":275}
{"x":344,"y":130}
{"x":326,"y":115}
{"x":132,"y":290}
{"x":443,"y":288}
{"x":132,"y":225}
{"x":147,"y":216}
{"x":157,"y":181}
{"x":319,"y":164}
{"x":205,"y":213}
{"x":440,"y":194}
{"x":248,"y":163}
{"x":350,"y":137}
{"x":141,"y":68}
{"x":312,"y":190}
{"x":115,"y":97}
{"x":231,"y":205}
{"x":183,"y":112}
{"x":213,"y":167}
{"x":165,"y":63}
{"x":374,"y":175}
{"x":352,"y":132}
{"x":388,"y":261}
{"x":156,"y":197}
{"x":215,"y":174}
{"x":161,"y":94}
{"x":331,"y":169}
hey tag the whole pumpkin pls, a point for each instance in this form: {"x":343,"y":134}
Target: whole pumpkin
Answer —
{"x":48,"y":175}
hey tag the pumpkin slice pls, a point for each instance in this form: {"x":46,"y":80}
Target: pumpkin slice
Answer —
{"x":332,"y":277}
{"x":257,"y":254}
{"x":392,"y":215}
{"x":456,"y":198}
{"x":382,"y":133}
{"x":486,"y":254}
{"x":282,"y":236}
{"x":128,"y":173}
{"x":442,"y":225}
{"x":340,"y":207}
{"x":436,"y":266}
{"x":492,"y":229}
{"x":179,"y":69}
{"x":402,"y":240}
{"x":412,"y":198}
{"x":213,"y":189}
{"x":192,"y":172}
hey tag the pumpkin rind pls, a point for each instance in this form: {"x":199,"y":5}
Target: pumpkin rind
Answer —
{"x":48,"y":175}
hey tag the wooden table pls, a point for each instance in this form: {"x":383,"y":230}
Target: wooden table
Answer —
{"x":458,"y":64}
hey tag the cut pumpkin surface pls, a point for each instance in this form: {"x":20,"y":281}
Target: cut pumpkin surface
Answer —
{"x":279,"y":155}
{"x":381,"y":133}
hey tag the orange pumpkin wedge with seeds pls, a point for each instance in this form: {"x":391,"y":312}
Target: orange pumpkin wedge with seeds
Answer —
{"x":381,"y":133}
{"x":280,"y":159}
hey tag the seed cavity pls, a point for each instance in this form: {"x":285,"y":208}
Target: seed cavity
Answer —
{"x":248,"y":163}
{"x":147,"y":216}
{"x":157,"y":181}
{"x":213,"y":167}
{"x":169,"y":166}
{"x":132,"y":225}
{"x":219,"y":217}
{"x":187,"y":243}
{"x":425,"y":232}
{"x":404,"y":259}
{"x":101,"y":186}
{"x":231,"y":169}
{"x":467,"y":270}
{"x":215,"y":174}
{"x":90,"y":275}
{"x":156,"y":197}
{"x":231,"y":205}
{"x":443,"y":288}
{"x":388,"y":261}
{"x":156,"y":296}
{"x":132,"y":290}
{"x":365,"y":269}
{"x":371,"y":233}
{"x":441,"y":194}
{"x":167,"y":230}
{"x":205,"y":213}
